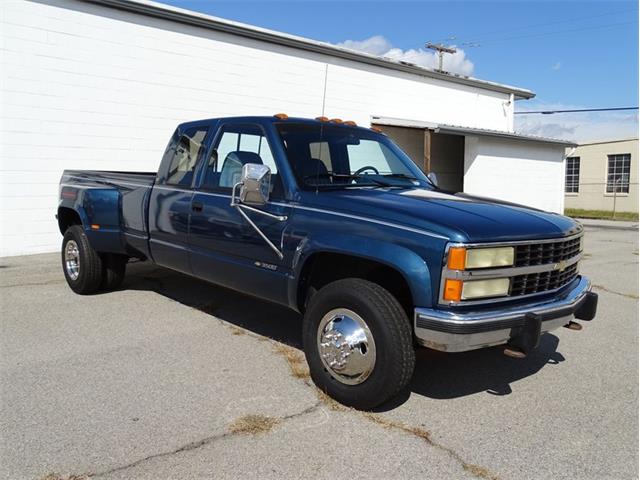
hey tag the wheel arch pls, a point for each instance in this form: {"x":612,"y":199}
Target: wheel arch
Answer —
{"x":68,"y":217}
{"x":397,"y":269}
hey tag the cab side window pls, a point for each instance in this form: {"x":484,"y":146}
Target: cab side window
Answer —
{"x":236,"y":146}
{"x":186,"y":151}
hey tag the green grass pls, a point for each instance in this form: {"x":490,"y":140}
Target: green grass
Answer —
{"x":601,"y":214}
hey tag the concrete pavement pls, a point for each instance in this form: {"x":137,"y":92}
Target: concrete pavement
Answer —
{"x":594,"y":223}
{"x":150,"y":382}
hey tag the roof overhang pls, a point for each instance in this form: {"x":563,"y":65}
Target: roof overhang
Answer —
{"x":167,"y":12}
{"x":458,"y":130}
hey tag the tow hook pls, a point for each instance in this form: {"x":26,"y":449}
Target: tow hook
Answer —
{"x":527,"y":338}
{"x":514,"y":353}
{"x":573,"y":326}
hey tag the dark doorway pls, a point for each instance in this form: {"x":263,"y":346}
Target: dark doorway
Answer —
{"x":440,"y":153}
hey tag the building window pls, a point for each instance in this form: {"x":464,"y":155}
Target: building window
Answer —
{"x":572,"y":175}
{"x":618,"y":170}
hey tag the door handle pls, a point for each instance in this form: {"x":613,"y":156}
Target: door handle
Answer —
{"x":196,"y":206}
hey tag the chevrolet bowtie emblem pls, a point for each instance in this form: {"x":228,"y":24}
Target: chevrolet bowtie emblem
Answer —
{"x":561,"y":265}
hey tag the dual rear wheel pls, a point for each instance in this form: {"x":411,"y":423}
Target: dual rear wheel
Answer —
{"x":87,"y":271}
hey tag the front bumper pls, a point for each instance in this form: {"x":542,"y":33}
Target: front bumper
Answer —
{"x":520,"y":326}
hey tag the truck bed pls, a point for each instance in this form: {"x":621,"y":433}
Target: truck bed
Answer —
{"x":143,"y":179}
{"x":116,"y":203}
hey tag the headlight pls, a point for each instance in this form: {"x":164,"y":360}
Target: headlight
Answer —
{"x":456,"y":290}
{"x":496,"y":287}
{"x":461,"y":258}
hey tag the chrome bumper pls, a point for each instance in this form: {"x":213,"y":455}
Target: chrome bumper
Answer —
{"x":451,"y":331}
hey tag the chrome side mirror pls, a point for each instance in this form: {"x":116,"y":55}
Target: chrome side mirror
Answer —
{"x":255,"y":184}
{"x":433,"y":178}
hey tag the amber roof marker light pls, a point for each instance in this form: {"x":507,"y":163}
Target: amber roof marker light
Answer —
{"x":281,"y":116}
{"x":322,"y":119}
{"x":351,"y":123}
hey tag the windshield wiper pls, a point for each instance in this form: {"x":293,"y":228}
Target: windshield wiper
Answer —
{"x":346,"y":176}
{"x":399,"y":175}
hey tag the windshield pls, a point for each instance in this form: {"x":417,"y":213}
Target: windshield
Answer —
{"x":338,"y":156}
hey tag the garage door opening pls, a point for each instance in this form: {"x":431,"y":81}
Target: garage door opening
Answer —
{"x":441,"y":153}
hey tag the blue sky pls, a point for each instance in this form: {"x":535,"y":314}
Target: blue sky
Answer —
{"x":572,"y":54}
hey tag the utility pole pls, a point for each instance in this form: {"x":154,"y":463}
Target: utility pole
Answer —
{"x":441,"y":49}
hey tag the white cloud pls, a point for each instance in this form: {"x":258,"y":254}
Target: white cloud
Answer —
{"x":380,"y":46}
{"x":579,"y":127}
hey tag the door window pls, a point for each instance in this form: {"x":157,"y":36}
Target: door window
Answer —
{"x":236,"y":146}
{"x":186,"y":152}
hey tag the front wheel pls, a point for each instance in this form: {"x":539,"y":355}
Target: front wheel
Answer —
{"x":358,"y":343}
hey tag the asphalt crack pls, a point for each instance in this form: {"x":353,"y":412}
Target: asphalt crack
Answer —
{"x":293,"y":357}
{"x":200,"y":443}
{"x":31,"y":284}
{"x":608,"y":290}
{"x":299,"y":369}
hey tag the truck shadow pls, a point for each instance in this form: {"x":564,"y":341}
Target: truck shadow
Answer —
{"x":437,"y":375}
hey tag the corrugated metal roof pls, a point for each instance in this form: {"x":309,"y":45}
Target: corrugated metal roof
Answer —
{"x":181,"y":15}
{"x":454,"y":129}
{"x":620,"y":140}
{"x":460,"y":130}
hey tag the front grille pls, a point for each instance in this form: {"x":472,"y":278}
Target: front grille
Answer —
{"x":542,"y":281}
{"x":543,"y":253}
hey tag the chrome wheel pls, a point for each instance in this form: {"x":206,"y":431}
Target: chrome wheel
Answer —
{"x":72,"y":259}
{"x":346,"y":346}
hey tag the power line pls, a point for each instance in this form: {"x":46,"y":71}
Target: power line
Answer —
{"x":556,"y":32}
{"x":551,"y":112}
{"x":480,"y":36}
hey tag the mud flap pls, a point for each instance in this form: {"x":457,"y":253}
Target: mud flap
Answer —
{"x":528,"y":335}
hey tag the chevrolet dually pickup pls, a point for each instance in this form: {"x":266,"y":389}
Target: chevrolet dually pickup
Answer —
{"x":334,"y":221}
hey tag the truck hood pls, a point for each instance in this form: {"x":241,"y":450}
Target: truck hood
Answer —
{"x":457,"y":216}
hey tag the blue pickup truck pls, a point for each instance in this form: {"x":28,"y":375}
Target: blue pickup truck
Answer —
{"x":336,"y":222}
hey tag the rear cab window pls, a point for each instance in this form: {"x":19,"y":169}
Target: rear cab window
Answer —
{"x":184,"y":151}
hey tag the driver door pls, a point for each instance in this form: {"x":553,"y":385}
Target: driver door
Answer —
{"x":224,"y":248}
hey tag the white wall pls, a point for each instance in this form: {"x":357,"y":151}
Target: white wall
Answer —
{"x":528,"y":173}
{"x":88,"y":87}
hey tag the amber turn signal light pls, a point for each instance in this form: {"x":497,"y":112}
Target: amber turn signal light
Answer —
{"x":452,"y":290}
{"x":457,"y":258}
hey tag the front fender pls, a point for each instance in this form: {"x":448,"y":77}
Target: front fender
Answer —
{"x":409,"y":264}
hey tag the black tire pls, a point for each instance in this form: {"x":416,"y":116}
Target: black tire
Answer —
{"x":113,"y":269}
{"x":392,"y":335}
{"x":89,"y":275}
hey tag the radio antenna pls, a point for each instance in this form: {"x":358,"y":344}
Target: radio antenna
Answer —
{"x":324,"y":93}
{"x":324,"y":100}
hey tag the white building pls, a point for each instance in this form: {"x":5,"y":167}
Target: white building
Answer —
{"x":101,"y":84}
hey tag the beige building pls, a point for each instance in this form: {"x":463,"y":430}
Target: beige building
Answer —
{"x":603,"y":176}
